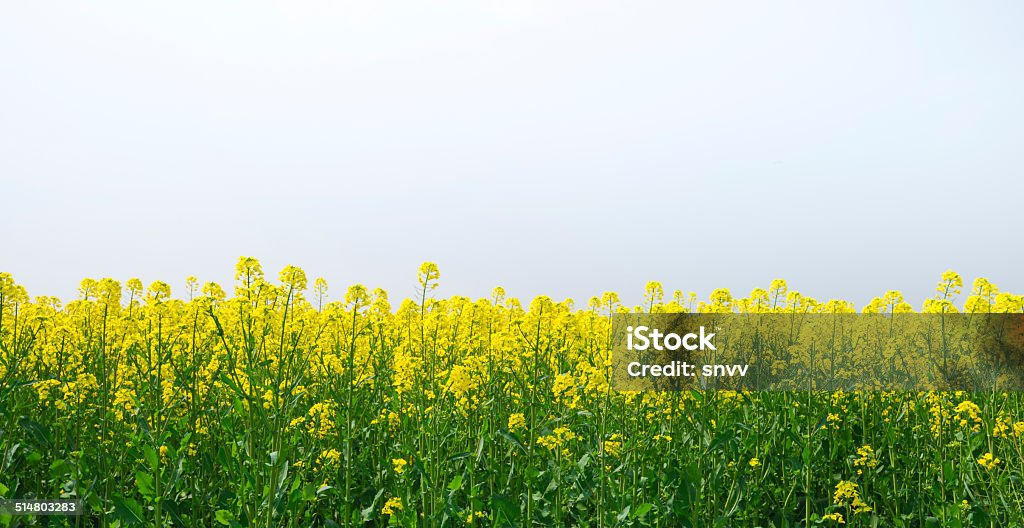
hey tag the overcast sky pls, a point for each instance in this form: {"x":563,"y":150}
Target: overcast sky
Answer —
{"x":560,"y":148}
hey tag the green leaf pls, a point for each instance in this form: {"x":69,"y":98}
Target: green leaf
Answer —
{"x":947,"y":471}
{"x":223,"y":458}
{"x":174,"y":510}
{"x":698,"y":396}
{"x":371,"y":510}
{"x":128,"y":511}
{"x":283,"y":477}
{"x":150,"y":454}
{"x":224,"y":517}
{"x":230,"y":383}
{"x":94,"y":501}
{"x":722,"y":438}
{"x":239,"y":406}
{"x":368,"y":512}
{"x":582,"y":463}
{"x":419,"y":471}
{"x":144,"y":482}
{"x":480,"y":449}
{"x":977,"y":440}
{"x":458,"y":456}
{"x":308,"y":492}
{"x":59,"y":468}
{"x":456,"y":483}
{"x":504,"y":509}
{"x":37,"y":431}
{"x":642,"y":510}
{"x":511,"y":437}
{"x":822,"y":425}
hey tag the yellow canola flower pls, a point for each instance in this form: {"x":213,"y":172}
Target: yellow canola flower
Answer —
{"x":329,"y":456}
{"x":613,"y":445}
{"x":321,"y":420}
{"x":394,"y":503}
{"x":988,"y":461}
{"x":516,"y":421}
{"x":969,"y":415}
{"x":565,"y":390}
{"x":846,"y":494}
{"x":44,"y":387}
{"x":559,"y":438}
{"x":835,"y":517}
{"x":865,"y":459}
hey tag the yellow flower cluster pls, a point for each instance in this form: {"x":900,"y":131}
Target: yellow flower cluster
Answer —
{"x":565,"y":390}
{"x":44,"y":387}
{"x":321,"y":420}
{"x":124,"y":402}
{"x":516,"y":421}
{"x":329,"y":456}
{"x":612,"y":445}
{"x":968,"y":415}
{"x":463,"y":382}
{"x":393,"y":504}
{"x":558,"y":439}
{"x":846,"y":494}
{"x":988,"y":461}
{"x":865,"y":459}
{"x":834,"y":516}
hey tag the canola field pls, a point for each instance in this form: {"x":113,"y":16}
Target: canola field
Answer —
{"x":289,"y":404}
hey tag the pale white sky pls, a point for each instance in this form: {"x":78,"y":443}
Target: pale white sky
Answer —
{"x":563,"y":148}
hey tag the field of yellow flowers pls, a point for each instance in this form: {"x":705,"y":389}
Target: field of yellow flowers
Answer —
{"x":282,"y":405}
